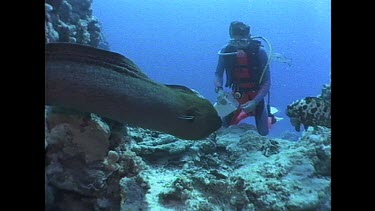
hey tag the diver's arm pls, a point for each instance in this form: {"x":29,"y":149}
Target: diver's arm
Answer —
{"x":266,"y":81}
{"x":219,"y":73}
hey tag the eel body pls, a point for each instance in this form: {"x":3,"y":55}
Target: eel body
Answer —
{"x":92,"y":80}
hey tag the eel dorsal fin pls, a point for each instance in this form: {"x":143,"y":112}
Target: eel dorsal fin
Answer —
{"x":91,"y":55}
{"x":184,"y":89}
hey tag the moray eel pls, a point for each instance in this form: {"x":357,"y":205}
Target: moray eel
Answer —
{"x":310,"y":111}
{"x":92,"y":80}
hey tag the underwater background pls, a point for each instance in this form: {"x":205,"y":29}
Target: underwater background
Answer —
{"x":176,"y":42}
{"x":96,"y":163}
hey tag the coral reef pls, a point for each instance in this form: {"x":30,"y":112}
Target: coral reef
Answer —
{"x":81,"y":172}
{"x":326,"y":92}
{"x":98,"y":164}
{"x":234,"y":169}
{"x":290,"y":135}
{"x":240,"y":170}
{"x":72,"y":21}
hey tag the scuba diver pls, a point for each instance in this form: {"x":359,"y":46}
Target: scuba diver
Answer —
{"x":246,"y":64}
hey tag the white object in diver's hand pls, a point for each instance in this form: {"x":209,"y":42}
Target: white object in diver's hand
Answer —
{"x":226,"y":104}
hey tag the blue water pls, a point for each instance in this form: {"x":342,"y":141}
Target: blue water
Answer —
{"x":176,"y":42}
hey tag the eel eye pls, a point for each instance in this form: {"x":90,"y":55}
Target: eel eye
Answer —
{"x":186,"y":117}
{"x":190,"y":114}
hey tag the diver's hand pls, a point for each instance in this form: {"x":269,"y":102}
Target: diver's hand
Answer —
{"x":249,"y":106}
{"x":218,"y":88}
{"x":220,"y":96}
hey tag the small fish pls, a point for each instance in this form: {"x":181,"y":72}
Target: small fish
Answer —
{"x":92,"y":80}
{"x":281,"y":58}
{"x":309,"y":111}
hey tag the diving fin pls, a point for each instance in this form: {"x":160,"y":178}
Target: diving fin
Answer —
{"x":273,"y":111}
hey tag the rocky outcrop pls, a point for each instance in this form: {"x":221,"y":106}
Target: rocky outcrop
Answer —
{"x":244,"y":171}
{"x":326,"y":92}
{"x":82,"y":172}
{"x":234,"y":169}
{"x":72,"y":21}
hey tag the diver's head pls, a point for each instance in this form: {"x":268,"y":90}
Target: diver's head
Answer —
{"x":239,"y":33}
